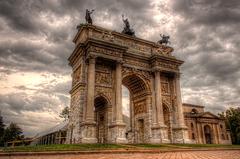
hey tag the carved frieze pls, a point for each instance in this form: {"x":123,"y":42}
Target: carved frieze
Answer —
{"x":165,"y":65}
{"x":104,"y":51}
{"x":162,"y":49}
{"x":135,"y":62}
{"x":140,"y":107}
{"x":133,"y":45}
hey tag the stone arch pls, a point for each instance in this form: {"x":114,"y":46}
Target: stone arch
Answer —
{"x":105,"y":97}
{"x":101,"y":116}
{"x":143,"y":84}
{"x":139,"y":106}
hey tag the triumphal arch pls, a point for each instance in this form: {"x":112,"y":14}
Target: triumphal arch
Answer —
{"x":103,"y":61}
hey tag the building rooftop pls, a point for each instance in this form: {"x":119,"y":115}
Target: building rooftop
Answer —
{"x":192,"y":105}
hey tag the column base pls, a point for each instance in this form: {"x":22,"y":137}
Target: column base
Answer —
{"x":180,"y":135}
{"x":159,"y":134}
{"x":88,"y":132}
{"x":117,"y":133}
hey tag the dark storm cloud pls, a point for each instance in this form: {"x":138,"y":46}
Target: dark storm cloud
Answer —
{"x":208,"y":37}
{"x":216,"y":12}
{"x":27,"y":19}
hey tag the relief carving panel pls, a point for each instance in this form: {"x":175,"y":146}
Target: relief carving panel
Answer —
{"x":140,"y":107}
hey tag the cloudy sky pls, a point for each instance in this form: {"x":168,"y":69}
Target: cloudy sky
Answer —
{"x":36,"y":40}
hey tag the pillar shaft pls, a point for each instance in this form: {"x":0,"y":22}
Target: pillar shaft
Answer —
{"x":158,"y":99}
{"x":118,"y":110}
{"x":90,"y":90}
{"x":179,"y":101}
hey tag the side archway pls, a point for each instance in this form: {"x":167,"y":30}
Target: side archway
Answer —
{"x":101,"y":105}
{"x":167,"y":116}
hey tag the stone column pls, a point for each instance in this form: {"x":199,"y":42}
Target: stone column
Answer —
{"x":88,"y":127}
{"x":179,"y":102}
{"x":199,"y":133}
{"x":214,"y":133}
{"x":204,"y":138}
{"x":90,"y":90}
{"x":219,"y":134}
{"x":158,"y":99}
{"x":149,"y":120}
{"x":118,"y":108}
{"x":118,"y":127}
{"x":181,"y":130}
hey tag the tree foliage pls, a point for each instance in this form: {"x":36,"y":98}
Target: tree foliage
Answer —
{"x":2,"y":126}
{"x":65,"y":113}
{"x":232,"y":118}
{"x":12,"y":132}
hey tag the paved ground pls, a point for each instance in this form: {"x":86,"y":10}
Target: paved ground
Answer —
{"x":224,"y":154}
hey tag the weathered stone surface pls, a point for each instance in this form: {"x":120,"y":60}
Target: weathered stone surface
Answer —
{"x":105,"y":60}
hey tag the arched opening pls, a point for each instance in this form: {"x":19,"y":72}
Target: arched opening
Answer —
{"x":208,"y":134}
{"x":101,"y":119}
{"x":126,"y":109}
{"x":194,"y":111}
{"x":135,"y":108}
{"x":167,"y":120}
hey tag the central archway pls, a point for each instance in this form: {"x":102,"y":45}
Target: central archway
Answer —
{"x":139,"y":99}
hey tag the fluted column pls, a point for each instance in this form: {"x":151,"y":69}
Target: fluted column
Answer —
{"x":179,"y":101}
{"x":118,"y":110}
{"x":158,"y":99}
{"x":90,"y":90}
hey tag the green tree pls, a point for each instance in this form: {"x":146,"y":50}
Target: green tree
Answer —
{"x":12,"y":132}
{"x":1,"y":130}
{"x":232,"y":118}
{"x":65,"y":113}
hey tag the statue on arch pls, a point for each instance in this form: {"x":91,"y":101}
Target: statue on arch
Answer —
{"x":164,"y":40}
{"x":88,"y":16}
{"x":127,"y":30}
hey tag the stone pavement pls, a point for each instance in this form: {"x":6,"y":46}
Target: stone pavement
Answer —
{"x":223,"y":154}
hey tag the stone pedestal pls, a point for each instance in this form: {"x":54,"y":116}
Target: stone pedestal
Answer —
{"x":117,"y":133}
{"x":180,"y":135}
{"x":88,"y":133}
{"x":159,"y":134}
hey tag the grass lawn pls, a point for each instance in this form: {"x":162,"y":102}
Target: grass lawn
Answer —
{"x":63,"y":147}
{"x":92,"y":147}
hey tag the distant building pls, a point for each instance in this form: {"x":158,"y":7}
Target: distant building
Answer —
{"x":205,"y":127}
{"x":54,"y":135}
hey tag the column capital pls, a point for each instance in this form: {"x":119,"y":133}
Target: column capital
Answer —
{"x":156,"y":70}
{"x":178,"y":75}
{"x":119,"y":61}
{"x":92,"y":59}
